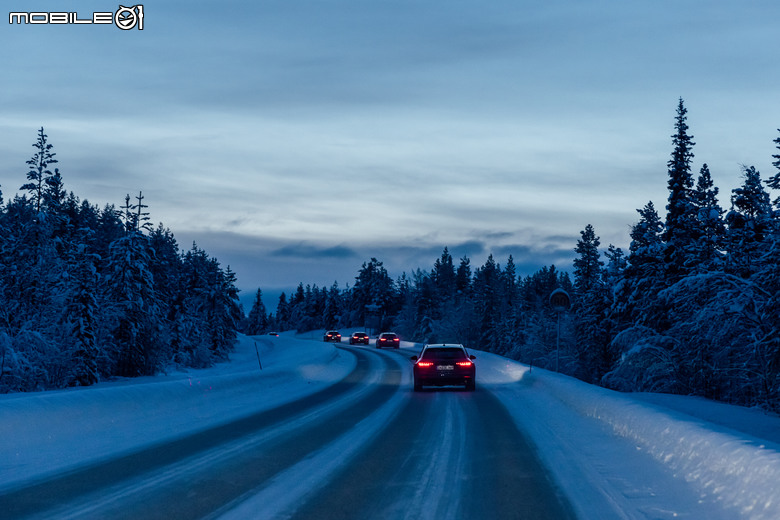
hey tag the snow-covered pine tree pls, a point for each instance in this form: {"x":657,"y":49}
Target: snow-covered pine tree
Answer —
{"x":774,"y":180}
{"x":82,"y":318}
{"x":373,"y":286}
{"x":463,"y":277}
{"x":706,"y":252}
{"x":590,"y":308}
{"x":257,"y":322}
{"x":222,"y":310}
{"x":587,"y":266}
{"x":443,"y":275}
{"x":131,"y":284}
{"x":680,"y":230}
{"x":39,"y":171}
{"x":643,"y":276}
{"x":749,"y":221}
{"x":487,"y":293}
{"x":333,"y":310}
{"x":282,"y":313}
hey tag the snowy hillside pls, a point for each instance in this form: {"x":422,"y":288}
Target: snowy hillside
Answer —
{"x":615,"y":455}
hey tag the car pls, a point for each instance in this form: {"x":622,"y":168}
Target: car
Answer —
{"x":273,"y":333}
{"x":358,"y":337}
{"x":388,"y":339}
{"x":332,"y":335}
{"x":444,"y":365}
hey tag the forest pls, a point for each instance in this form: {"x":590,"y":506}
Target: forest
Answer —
{"x":89,"y":293}
{"x":693,"y":306}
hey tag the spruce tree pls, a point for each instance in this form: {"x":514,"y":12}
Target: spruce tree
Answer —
{"x":282,"y":313}
{"x":774,"y":181}
{"x":587,"y":266}
{"x":258,"y":317}
{"x":644,"y":273}
{"x":331,"y":313}
{"x":463,"y":277}
{"x":131,"y":282}
{"x":749,"y":222}
{"x":39,"y":171}
{"x":680,"y":230}
{"x":82,"y":318}
{"x":706,"y":251}
{"x":590,"y":308}
{"x":443,"y":275}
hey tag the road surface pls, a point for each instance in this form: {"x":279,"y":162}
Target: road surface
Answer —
{"x":367,"y":447}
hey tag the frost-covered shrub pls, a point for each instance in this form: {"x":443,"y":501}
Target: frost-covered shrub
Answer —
{"x":646,"y":362}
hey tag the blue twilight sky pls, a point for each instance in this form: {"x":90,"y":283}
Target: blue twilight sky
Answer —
{"x":294,"y":140}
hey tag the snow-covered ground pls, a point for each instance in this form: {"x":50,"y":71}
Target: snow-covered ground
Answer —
{"x":616,"y":455}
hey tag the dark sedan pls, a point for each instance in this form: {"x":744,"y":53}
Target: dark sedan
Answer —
{"x":358,"y":337}
{"x":388,"y":339}
{"x":332,"y":335}
{"x":444,"y":365}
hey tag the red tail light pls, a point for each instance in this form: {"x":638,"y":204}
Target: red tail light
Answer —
{"x":464,"y":363}
{"x":425,"y":363}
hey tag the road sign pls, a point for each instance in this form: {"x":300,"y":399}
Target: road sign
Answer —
{"x":560,"y":300}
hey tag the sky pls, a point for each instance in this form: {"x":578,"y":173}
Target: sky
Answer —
{"x":295,"y":140}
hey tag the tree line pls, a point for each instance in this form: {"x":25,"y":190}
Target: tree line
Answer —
{"x":693,"y":307}
{"x":90,"y":293}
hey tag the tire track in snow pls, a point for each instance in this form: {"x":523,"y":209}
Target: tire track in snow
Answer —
{"x":441,"y":474}
{"x":106,"y":486}
{"x":282,"y":497}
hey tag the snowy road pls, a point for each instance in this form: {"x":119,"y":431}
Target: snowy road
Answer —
{"x":295,"y":428}
{"x":364,"y":447}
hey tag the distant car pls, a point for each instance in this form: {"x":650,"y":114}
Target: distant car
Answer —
{"x":273,"y":333}
{"x":388,"y":339}
{"x":358,"y":337}
{"x":332,"y":335}
{"x":444,"y":365}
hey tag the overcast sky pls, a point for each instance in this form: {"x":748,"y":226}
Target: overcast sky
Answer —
{"x":294,"y":140}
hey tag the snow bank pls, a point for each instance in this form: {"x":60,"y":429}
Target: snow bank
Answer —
{"x":726,"y":467}
{"x":739,"y":473}
{"x":46,"y":432}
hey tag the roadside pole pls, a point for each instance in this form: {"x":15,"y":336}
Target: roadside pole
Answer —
{"x":560,"y":302}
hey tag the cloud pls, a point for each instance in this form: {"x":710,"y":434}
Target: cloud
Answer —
{"x":309,"y":251}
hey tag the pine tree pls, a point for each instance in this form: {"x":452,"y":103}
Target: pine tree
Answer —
{"x":680,"y":230}
{"x":333,"y":309}
{"x":590,"y":308}
{"x":443,"y":275}
{"x":487,"y":292}
{"x":258,"y":317}
{"x":774,"y":181}
{"x":83,"y":320}
{"x":282,"y":313}
{"x":463,"y":277}
{"x":39,"y":171}
{"x":706,"y":251}
{"x":373,"y":286}
{"x":132,"y":287}
{"x":749,"y":221}
{"x":222,"y":310}
{"x":587,"y":266}
{"x":644,"y":273}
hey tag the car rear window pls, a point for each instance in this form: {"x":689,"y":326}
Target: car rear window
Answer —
{"x":388,"y":336}
{"x":444,"y":353}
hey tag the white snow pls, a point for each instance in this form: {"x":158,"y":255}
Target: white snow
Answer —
{"x":615,"y":455}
